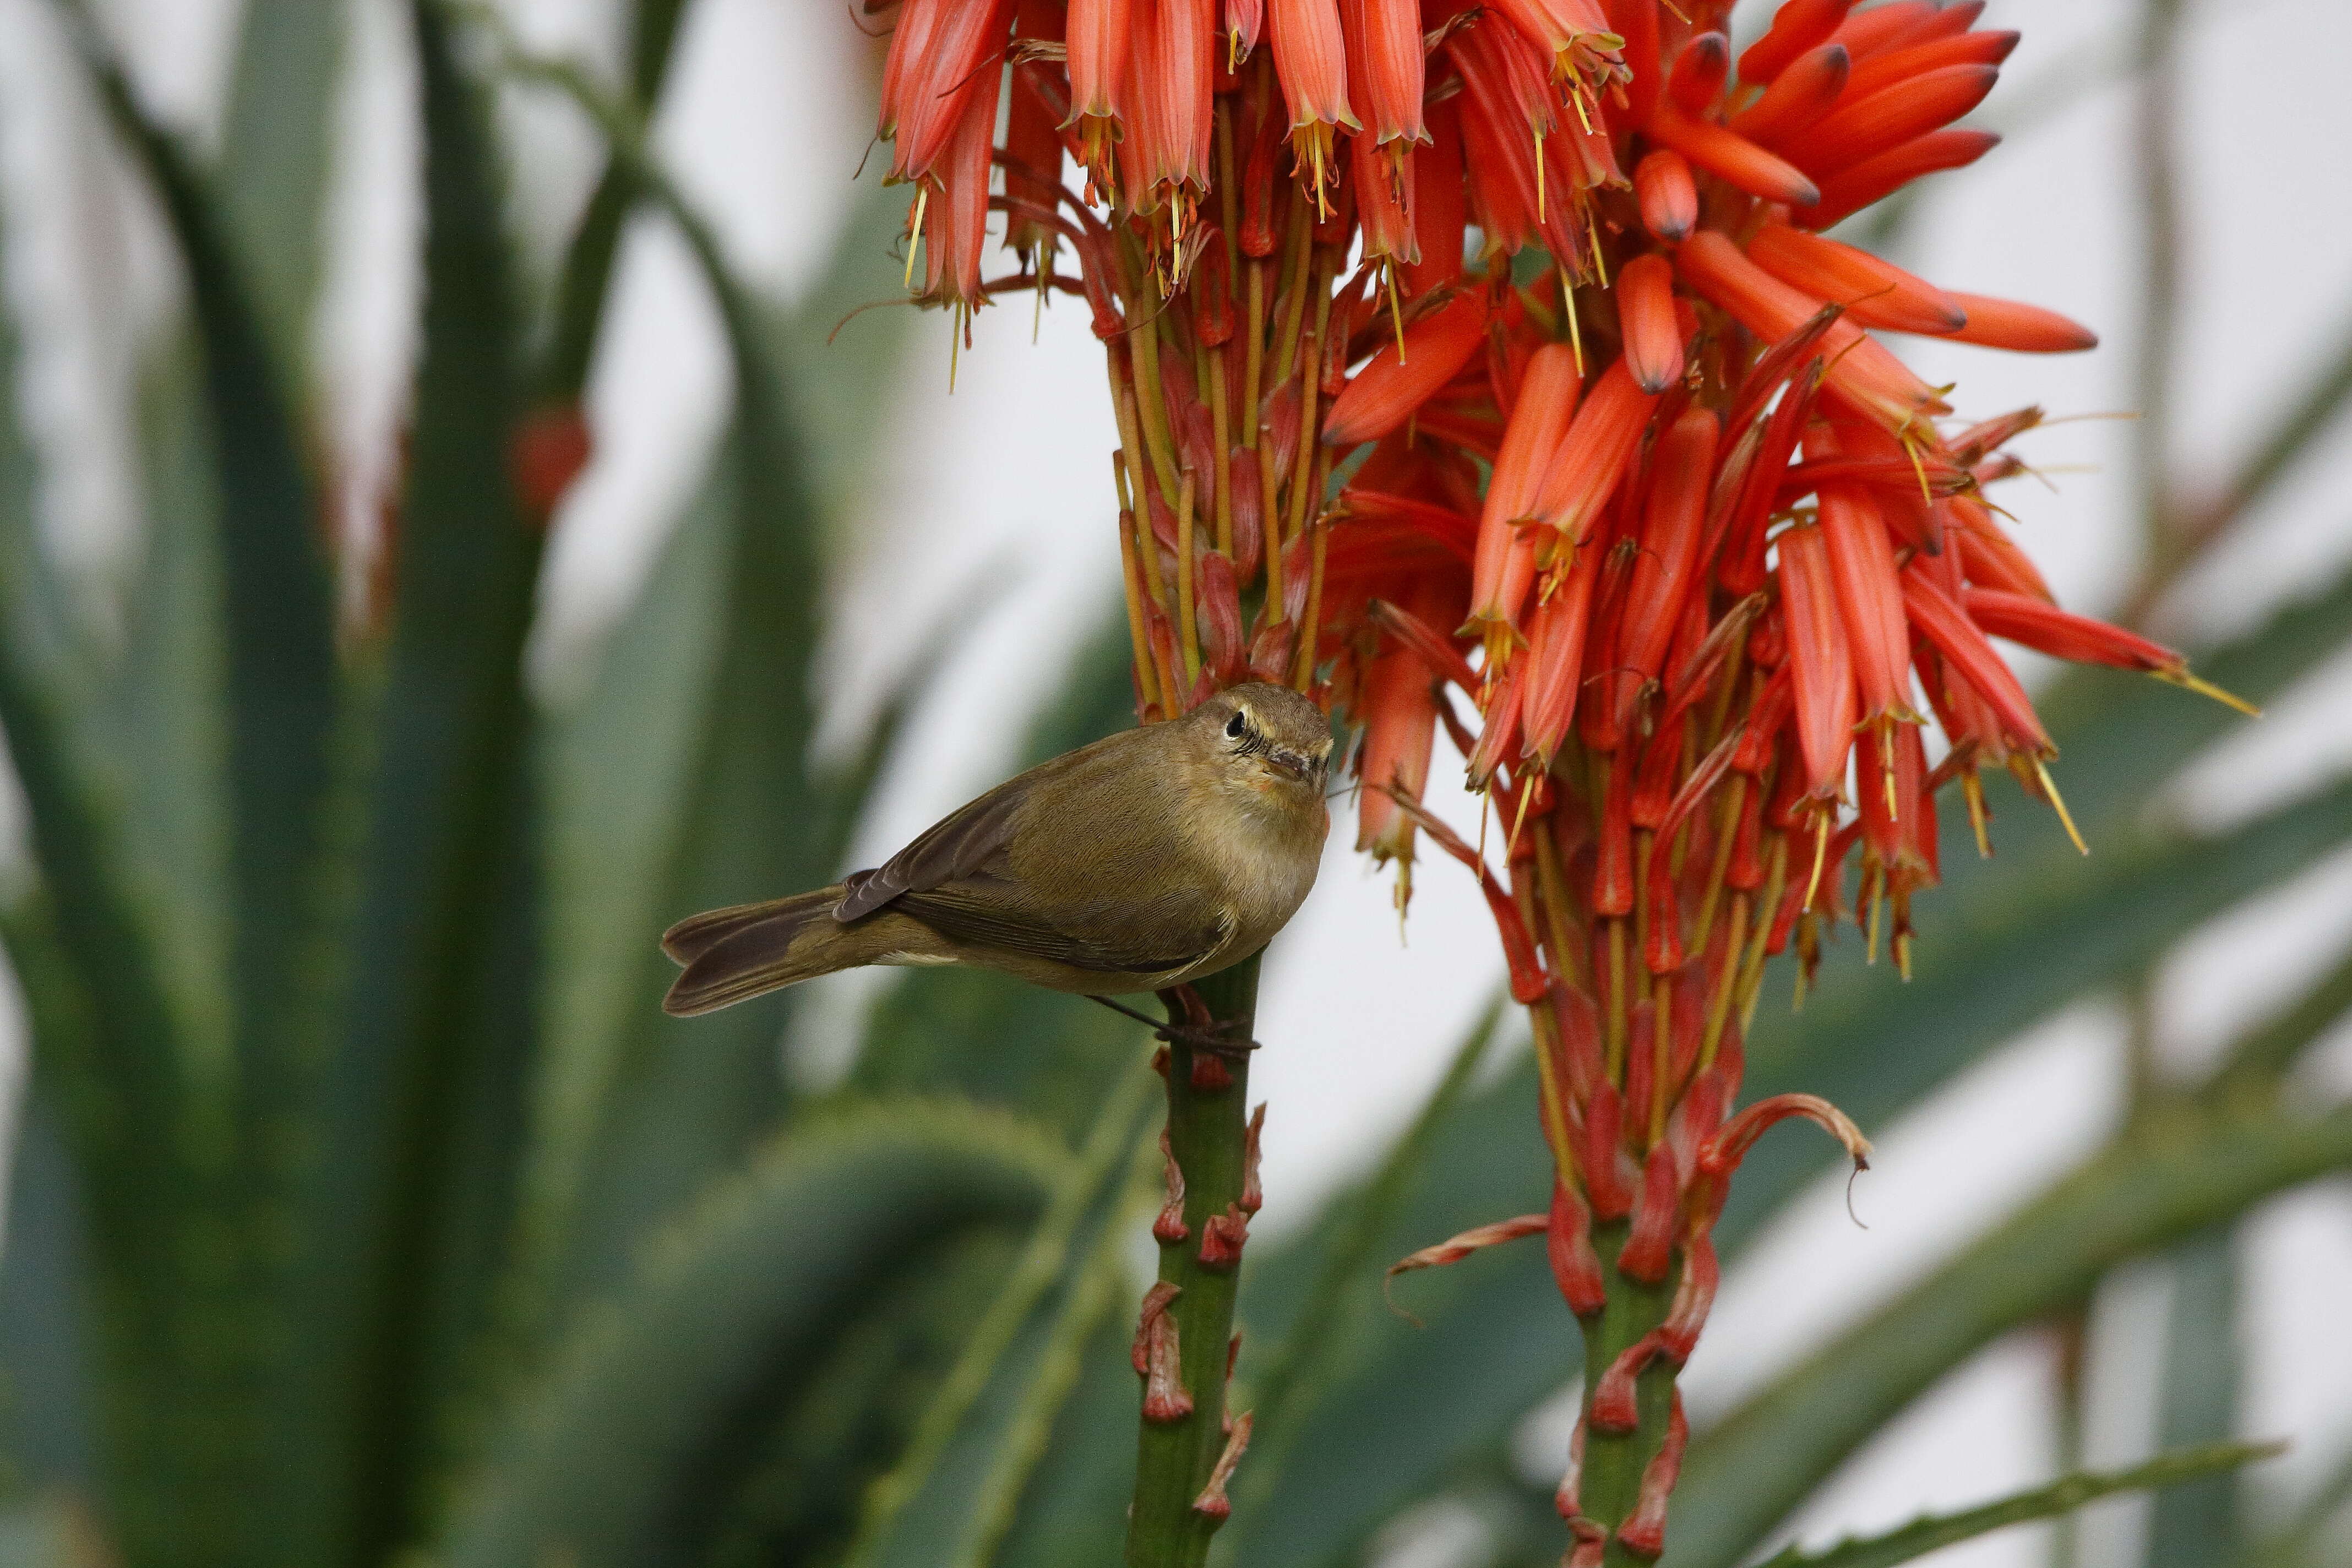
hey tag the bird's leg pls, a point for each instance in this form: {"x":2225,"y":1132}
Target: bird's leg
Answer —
{"x":1124,"y":1011}
{"x":1201,"y":1029}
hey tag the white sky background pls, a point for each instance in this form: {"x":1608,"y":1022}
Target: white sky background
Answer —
{"x":769,"y":104}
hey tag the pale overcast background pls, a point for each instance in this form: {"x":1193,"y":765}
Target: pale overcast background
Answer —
{"x":767,"y":114}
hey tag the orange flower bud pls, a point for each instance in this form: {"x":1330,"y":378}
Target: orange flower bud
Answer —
{"x":1819,"y":660}
{"x":1877,"y":27}
{"x":1857,"y":185}
{"x":1595,"y":454}
{"x":1645,"y":318}
{"x":1505,"y":564}
{"x":1797,"y":26}
{"x":1875,"y":293}
{"x":1669,"y":197}
{"x":1386,"y":391}
{"x":1798,"y":96}
{"x":1859,"y":129}
{"x":1734,"y":158}
{"x":1698,"y":74}
{"x":1861,"y":368}
{"x":2020,"y":328}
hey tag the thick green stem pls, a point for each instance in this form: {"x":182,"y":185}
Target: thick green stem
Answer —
{"x":1611,"y":1485}
{"x":1208,"y":1134}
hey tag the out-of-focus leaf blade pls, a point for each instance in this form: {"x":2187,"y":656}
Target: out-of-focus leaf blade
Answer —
{"x":277,"y":150}
{"x":102,"y":1035}
{"x":2197,"y":1521}
{"x":1998,"y":953}
{"x":45,"y":1272}
{"x":2180,"y":1172}
{"x":584,"y":285}
{"x":949,"y":1502}
{"x":680,"y":1101}
{"x":405,"y":1203}
{"x":2180,"y":1469}
{"x":758,"y":1277}
{"x":277,"y":598}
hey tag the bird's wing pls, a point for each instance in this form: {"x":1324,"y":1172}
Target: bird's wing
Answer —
{"x":987,"y":914}
{"x":959,"y":845}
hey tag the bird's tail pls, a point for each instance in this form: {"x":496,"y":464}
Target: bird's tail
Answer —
{"x":734,"y":954}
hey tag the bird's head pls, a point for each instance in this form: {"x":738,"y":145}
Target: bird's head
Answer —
{"x":1270,"y":739}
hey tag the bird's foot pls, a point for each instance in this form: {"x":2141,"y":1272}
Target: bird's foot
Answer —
{"x":1201,"y":1030}
{"x":1198,"y":1031}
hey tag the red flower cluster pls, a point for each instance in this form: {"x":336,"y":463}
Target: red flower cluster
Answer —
{"x":1623,"y":468}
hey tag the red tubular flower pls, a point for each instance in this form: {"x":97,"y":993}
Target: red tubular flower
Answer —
{"x":1385,"y":69}
{"x":910,"y":51}
{"x":1311,"y":56}
{"x":1101,"y":53}
{"x":1594,"y":457}
{"x":1874,"y":293}
{"x":1698,"y":73}
{"x":943,"y":72}
{"x":1798,"y":96}
{"x":1797,"y":26}
{"x":1439,"y":205}
{"x":955,"y":224}
{"x":1556,"y":643}
{"x":1870,"y":599}
{"x":1916,"y":60}
{"x":1385,"y":393}
{"x":1895,"y":113}
{"x":2022,"y":329}
{"x":1645,"y":317}
{"x":1506,"y":559}
{"x":1244,"y":20}
{"x":1861,"y":369}
{"x":1861,"y":183}
{"x":1666,"y":566}
{"x":1734,"y":158}
{"x":1669,"y":199}
{"x":1819,"y":658}
{"x":1564,"y":30}
{"x":1170,"y":120}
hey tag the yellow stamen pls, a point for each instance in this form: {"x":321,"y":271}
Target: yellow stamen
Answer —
{"x":1526,"y":795}
{"x":1396,"y":311}
{"x":1575,"y":335}
{"x":2188,"y":682}
{"x":1820,"y":856}
{"x":1972,"y":788}
{"x":1902,"y":955}
{"x":1539,"y":177}
{"x":915,"y":228}
{"x":2058,"y":801}
{"x":1874,"y":894}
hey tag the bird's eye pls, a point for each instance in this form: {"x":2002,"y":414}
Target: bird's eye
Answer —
{"x":1236,"y":727}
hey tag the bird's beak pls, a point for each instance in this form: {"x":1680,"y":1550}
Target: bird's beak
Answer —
{"x":1294,"y":764}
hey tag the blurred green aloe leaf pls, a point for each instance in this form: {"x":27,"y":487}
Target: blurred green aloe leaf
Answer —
{"x":418,"y":1107}
{"x":760,"y":1276}
{"x":2180,"y":1172}
{"x":2178,"y":1468}
{"x":277,"y":152}
{"x":952,"y":1497}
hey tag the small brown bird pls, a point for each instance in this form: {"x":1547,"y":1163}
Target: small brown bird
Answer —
{"x":1148,"y":859}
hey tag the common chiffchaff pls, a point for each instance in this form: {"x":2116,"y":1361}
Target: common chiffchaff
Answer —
{"x":1145,"y":860}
